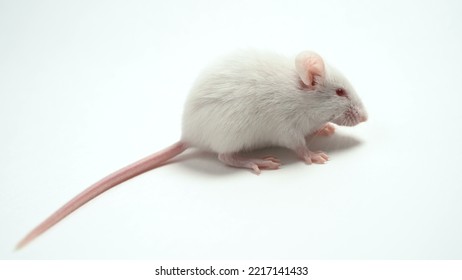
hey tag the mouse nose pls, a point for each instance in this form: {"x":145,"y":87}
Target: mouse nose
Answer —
{"x":363,"y":118}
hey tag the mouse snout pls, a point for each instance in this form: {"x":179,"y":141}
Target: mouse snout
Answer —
{"x":351,"y":117}
{"x":363,"y":117}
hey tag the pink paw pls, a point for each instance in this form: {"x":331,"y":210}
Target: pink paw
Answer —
{"x":268,"y":162}
{"x":310,"y":157}
{"x":327,"y":130}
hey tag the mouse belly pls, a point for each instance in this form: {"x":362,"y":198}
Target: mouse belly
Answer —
{"x":223,"y":138}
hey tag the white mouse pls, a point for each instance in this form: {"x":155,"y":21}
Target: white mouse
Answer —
{"x":248,"y":100}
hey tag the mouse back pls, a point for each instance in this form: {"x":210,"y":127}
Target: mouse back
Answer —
{"x":239,"y":102}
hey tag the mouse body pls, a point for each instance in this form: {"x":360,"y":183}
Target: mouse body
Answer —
{"x":254,"y":99}
{"x":248,"y":100}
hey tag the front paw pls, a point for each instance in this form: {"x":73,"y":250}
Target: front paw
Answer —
{"x":327,"y":130}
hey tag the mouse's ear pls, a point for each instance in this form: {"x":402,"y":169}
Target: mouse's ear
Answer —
{"x":310,"y":67}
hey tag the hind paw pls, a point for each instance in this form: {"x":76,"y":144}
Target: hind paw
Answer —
{"x":255,"y":164}
{"x":310,"y":157}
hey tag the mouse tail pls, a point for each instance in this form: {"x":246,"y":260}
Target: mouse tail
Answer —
{"x":139,"y":167}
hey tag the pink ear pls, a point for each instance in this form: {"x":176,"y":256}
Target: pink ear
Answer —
{"x":309,"y":65}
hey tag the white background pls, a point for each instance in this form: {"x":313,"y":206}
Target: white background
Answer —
{"x":87,"y":87}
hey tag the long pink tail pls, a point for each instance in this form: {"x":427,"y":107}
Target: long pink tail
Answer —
{"x":103,"y":185}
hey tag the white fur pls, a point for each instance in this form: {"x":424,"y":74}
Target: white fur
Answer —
{"x":253,"y":99}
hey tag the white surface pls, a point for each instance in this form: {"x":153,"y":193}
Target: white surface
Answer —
{"x":90,"y":86}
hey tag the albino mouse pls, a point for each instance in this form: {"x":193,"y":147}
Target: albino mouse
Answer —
{"x":248,"y":100}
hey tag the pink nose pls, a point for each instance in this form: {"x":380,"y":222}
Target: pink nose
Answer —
{"x":363,"y":118}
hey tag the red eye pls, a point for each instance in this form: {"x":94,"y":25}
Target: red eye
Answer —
{"x":340,"y":92}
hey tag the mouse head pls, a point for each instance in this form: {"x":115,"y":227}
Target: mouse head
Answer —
{"x":331,"y":89}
